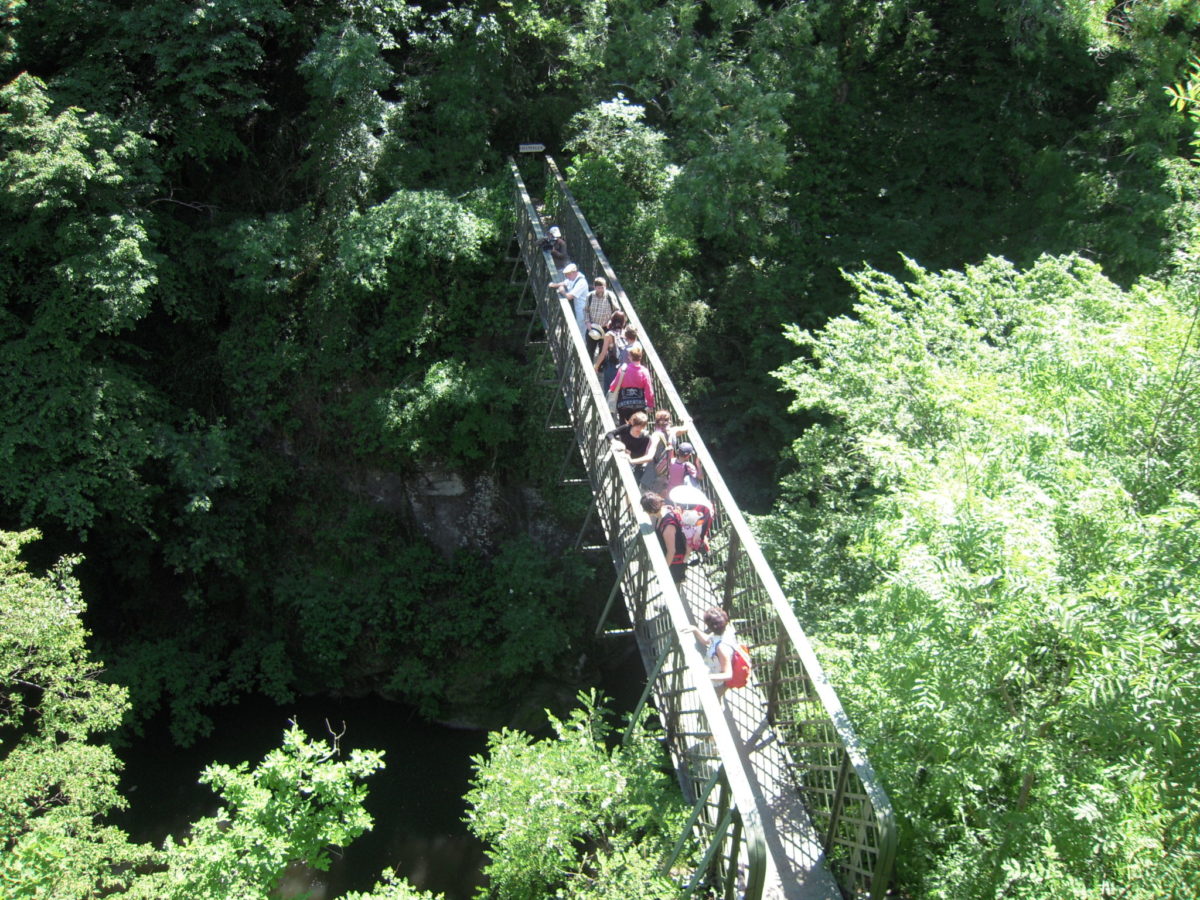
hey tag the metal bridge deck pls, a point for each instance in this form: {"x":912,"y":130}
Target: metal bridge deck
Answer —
{"x":796,"y":859}
{"x":784,"y":801}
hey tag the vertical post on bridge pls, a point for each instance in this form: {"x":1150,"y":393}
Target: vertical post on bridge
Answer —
{"x":835,"y":812}
{"x":711,"y":853}
{"x":559,"y":395}
{"x":562,"y":470}
{"x":735,"y":552}
{"x":776,"y":676}
{"x":697,"y":808}
{"x":520,"y":311}
{"x":533,"y":317}
{"x":591,"y":514}
{"x":518,"y":263}
{"x":731,"y":868}
{"x":612,"y":595}
{"x":651,"y":677}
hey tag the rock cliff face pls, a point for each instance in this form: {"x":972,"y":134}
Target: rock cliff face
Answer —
{"x":456,"y":512}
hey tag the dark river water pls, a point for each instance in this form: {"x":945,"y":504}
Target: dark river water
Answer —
{"x":416,"y":801}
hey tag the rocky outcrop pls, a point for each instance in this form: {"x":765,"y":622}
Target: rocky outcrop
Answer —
{"x":471,"y":512}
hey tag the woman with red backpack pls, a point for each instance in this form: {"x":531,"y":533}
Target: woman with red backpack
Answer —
{"x":728,"y":664}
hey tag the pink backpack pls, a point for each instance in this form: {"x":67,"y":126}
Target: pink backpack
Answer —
{"x":696,"y":513}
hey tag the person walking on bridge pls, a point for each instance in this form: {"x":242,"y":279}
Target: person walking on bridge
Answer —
{"x":633,"y":441}
{"x":635,"y":390}
{"x":682,"y":469}
{"x":719,"y":646}
{"x":669,"y":527}
{"x":608,"y":358}
{"x":662,"y":441}
{"x":629,"y":340}
{"x":598,"y":312}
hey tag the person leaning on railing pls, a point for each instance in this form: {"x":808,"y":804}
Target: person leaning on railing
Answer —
{"x":573,"y":286}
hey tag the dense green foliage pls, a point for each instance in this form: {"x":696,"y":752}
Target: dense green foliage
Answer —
{"x":243,"y":331}
{"x":572,"y":817}
{"x":567,"y":813}
{"x":806,"y":138}
{"x":56,"y":784}
{"x":253,"y":295}
{"x":995,"y":535}
{"x":290,"y":809}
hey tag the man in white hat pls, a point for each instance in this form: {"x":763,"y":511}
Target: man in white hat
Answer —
{"x":574,"y":287}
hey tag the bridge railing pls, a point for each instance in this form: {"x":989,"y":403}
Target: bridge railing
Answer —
{"x":828,"y":766}
{"x":708,"y":765}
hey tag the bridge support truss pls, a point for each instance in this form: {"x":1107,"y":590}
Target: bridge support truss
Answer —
{"x":786,"y":803}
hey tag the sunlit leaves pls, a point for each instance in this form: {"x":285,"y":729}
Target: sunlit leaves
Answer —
{"x":57,"y":158}
{"x":569,"y":817}
{"x":1185,"y":97}
{"x":615,"y":130}
{"x":111,"y":269}
{"x":204,"y":59}
{"x":407,"y":227}
{"x":293,"y":806}
{"x":67,"y":180}
{"x":55,"y":782}
{"x":569,"y":39}
{"x":391,"y":888}
{"x":991,"y":531}
{"x":349,"y":120}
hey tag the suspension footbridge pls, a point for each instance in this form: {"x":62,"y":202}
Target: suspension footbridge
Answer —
{"x":783,"y":798}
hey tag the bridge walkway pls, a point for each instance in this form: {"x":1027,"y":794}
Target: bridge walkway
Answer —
{"x":786,"y":804}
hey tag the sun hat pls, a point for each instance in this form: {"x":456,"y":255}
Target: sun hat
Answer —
{"x":570,"y":267}
{"x":686,"y":495}
{"x":595,"y":332}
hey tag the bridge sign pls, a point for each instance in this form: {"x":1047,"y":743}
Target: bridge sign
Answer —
{"x":532,"y":148}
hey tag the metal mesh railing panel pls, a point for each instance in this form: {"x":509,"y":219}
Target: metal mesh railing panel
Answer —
{"x":827,"y":765}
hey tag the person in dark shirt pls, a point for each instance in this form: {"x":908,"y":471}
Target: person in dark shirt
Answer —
{"x":633,"y":441}
{"x":609,"y":356}
{"x":558,"y":249}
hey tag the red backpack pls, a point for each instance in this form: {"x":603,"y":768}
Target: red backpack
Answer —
{"x":741,"y":666}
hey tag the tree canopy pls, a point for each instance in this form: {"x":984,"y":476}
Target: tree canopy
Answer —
{"x":58,"y":783}
{"x":254,"y":294}
{"x":994,"y":533}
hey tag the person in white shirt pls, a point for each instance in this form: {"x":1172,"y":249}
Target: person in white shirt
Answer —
{"x":575,"y":288}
